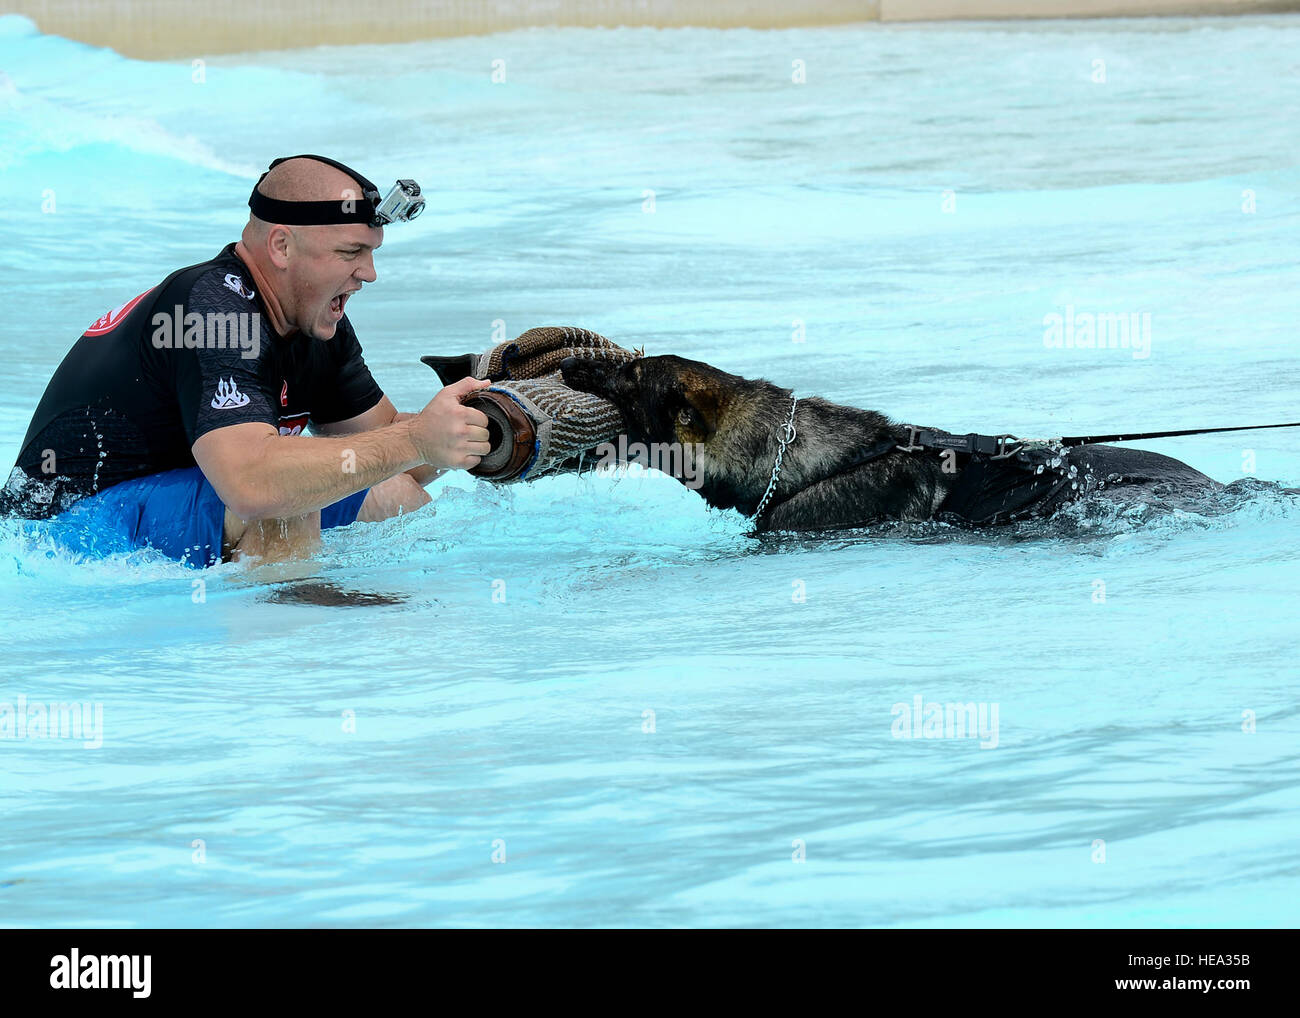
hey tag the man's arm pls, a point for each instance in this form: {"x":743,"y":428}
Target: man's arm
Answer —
{"x":425,"y":474}
{"x":260,"y":474}
{"x":380,"y":415}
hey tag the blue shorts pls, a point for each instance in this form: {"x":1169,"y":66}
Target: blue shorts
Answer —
{"x":176,"y":512}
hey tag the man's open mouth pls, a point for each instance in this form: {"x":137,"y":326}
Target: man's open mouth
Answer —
{"x":336,"y":305}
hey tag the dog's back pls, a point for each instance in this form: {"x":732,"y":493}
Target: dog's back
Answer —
{"x":810,"y":464}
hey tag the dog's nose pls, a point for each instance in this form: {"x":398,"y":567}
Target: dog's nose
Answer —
{"x":577,"y":372}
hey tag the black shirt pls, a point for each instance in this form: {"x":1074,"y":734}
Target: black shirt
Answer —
{"x":195,"y":353}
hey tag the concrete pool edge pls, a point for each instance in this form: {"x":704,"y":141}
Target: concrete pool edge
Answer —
{"x":161,"y":30}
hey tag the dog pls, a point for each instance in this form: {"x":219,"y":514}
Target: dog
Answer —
{"x":842,"y":467}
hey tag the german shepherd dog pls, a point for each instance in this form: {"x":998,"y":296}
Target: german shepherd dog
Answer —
{"x":731,"y":430}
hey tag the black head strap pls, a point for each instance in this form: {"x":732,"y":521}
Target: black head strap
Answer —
{"x":355,"y":209}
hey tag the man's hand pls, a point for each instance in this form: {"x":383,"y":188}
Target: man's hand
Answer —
{"x":449,"y":435}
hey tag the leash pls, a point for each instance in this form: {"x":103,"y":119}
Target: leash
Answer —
{"x":1098,"y":439}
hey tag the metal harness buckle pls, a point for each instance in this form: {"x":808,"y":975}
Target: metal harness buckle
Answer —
{"x":911,"y":441}
{"x":1004,"y":452}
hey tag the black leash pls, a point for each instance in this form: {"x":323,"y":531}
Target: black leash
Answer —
{"x":1098,"y":439}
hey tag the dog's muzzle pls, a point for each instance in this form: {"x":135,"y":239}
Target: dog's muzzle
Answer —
{"x":586,"y":375}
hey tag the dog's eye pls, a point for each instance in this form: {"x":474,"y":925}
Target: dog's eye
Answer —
{"x":688,"y":418}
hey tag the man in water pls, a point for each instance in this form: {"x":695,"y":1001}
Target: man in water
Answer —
{"x":176,"y":420}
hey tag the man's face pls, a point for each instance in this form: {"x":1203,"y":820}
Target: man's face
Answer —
{"x":328,"y":264}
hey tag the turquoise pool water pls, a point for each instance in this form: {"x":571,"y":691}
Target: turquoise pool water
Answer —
{"x":657,"y":720}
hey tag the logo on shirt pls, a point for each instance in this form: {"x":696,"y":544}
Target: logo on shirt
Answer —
{"x":294,"y":424}
{"x":110,"y":320}
{"x":284,"y":393}
{"x":235,"y":283}
{"x":228,"y":397}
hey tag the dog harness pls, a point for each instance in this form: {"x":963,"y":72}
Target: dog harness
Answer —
{"x":1002,"y":477}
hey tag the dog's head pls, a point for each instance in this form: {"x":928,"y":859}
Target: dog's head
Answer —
{"x":662,"y":399}
{"x":693,"y":407}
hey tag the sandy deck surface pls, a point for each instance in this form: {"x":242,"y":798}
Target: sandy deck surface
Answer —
{"x":178,"y":29}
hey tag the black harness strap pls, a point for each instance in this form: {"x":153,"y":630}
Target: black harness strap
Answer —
{"x":931,"y":439}
{"x":918,"y":439}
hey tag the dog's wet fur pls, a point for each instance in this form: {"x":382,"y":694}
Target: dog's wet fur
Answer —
{"x":731,"y":428}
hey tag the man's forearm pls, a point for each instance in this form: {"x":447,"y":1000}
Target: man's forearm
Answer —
{"x":295,"y":475}
{"x":425,"y":474}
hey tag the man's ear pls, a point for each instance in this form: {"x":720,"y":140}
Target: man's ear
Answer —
{"x":279,"y":242}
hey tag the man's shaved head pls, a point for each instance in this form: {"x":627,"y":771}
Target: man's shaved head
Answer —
{"x":308,"y":267}
{"x":307,"y":180}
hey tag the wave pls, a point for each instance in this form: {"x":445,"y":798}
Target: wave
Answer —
{"x":645,"y":521}
{"x":66,"y":109}
{"x":1101,"y":517}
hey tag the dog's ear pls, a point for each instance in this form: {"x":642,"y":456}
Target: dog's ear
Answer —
{"x":704,"y":403}
{"x":697,"y":420}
